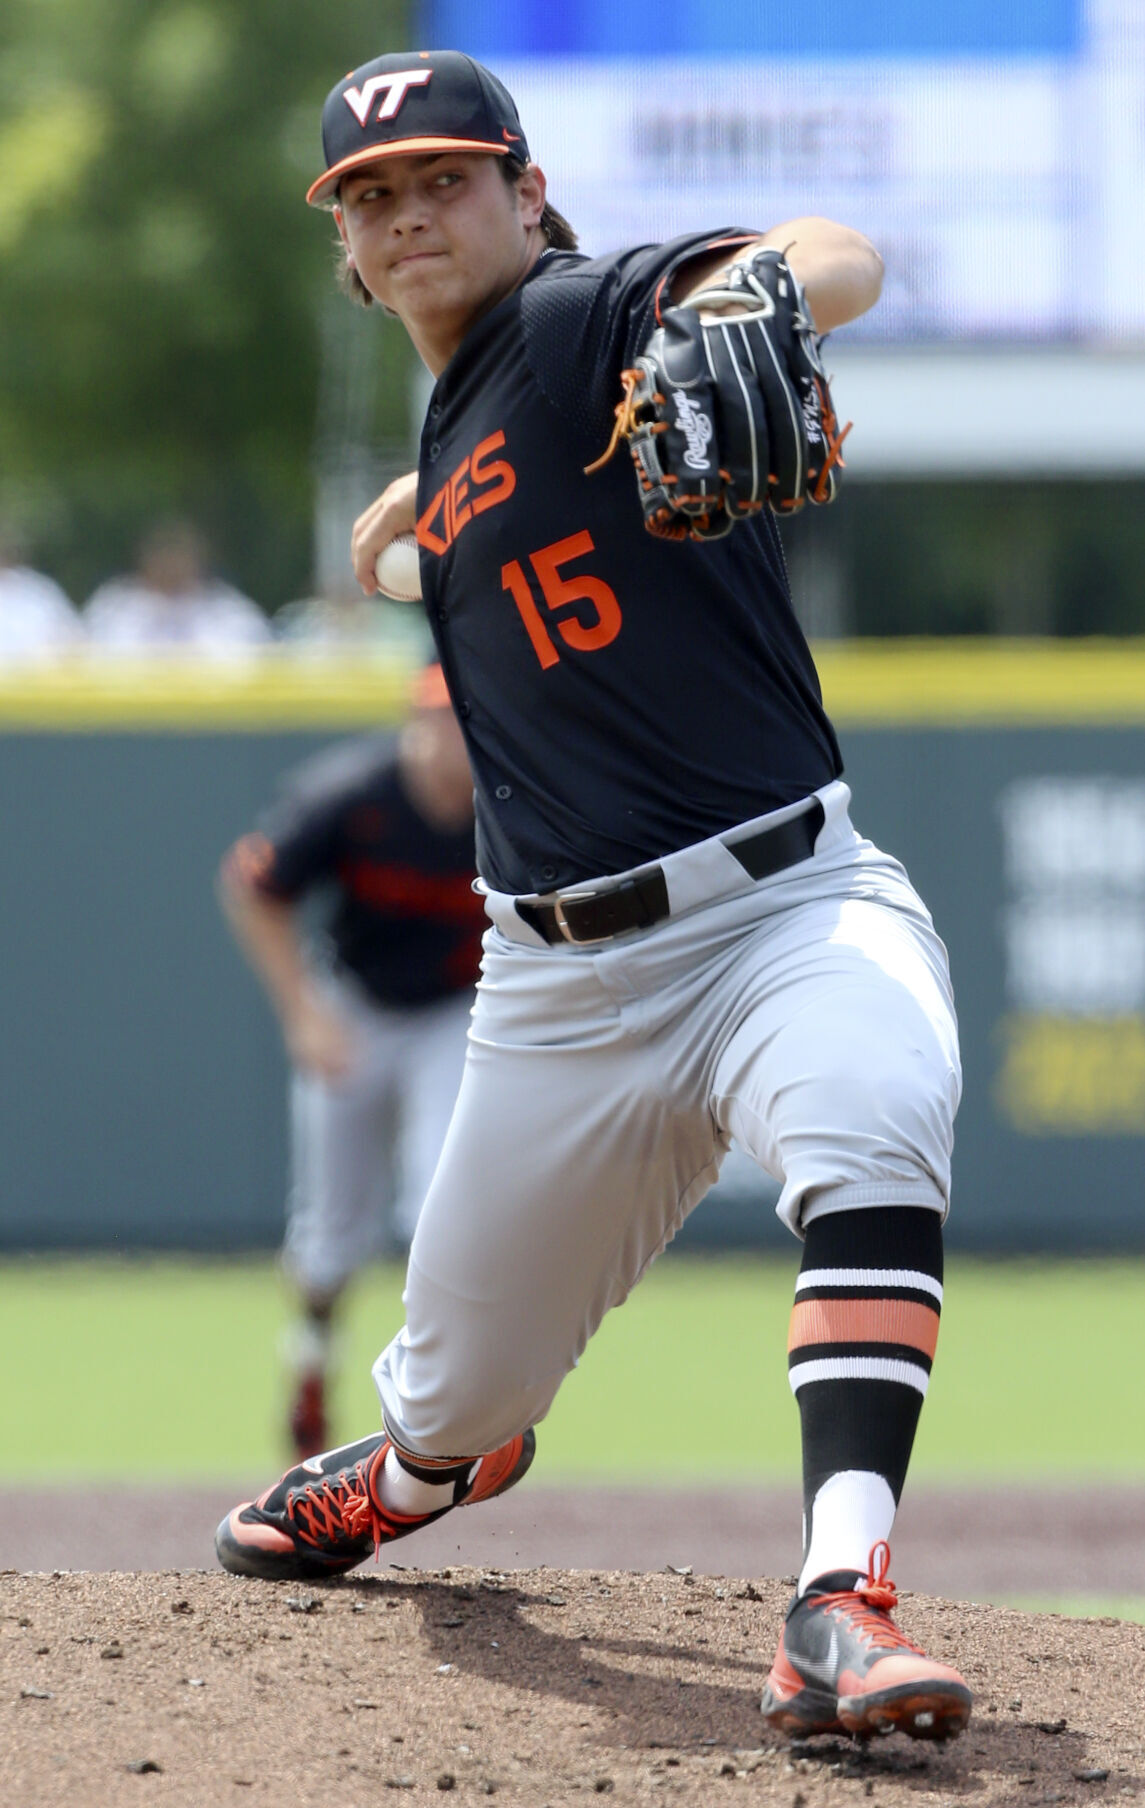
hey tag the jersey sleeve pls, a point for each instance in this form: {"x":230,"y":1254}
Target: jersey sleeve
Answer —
{"x":300,"y":839}
{"x":584,"y":320}
{"x":297,"y":849}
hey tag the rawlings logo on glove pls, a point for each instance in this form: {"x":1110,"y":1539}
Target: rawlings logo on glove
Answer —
{"x":697,"y":430}
{"x":728,"y":407}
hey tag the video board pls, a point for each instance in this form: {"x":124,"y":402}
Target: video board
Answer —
{"x":995,"y":153}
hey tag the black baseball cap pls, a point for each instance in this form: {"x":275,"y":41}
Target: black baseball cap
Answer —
{"x":411,"y":101}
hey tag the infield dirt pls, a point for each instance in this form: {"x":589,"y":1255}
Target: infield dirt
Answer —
{"x":533,"y":1687}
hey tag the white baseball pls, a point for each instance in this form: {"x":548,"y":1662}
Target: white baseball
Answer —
{"x":396,"y":569}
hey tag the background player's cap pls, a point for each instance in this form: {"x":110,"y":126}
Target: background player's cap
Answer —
{"x":429,"y":689}
{"x":411,"y":101}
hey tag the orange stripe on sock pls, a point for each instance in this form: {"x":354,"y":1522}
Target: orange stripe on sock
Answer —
{"x":863,"y":1321}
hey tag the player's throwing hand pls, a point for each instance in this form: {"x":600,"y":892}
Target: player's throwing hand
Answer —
{"x":394,"y":512}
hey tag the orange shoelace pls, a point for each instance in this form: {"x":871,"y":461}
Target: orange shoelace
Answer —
{"x":337,"y":1507}
{"x":866,"y":1609}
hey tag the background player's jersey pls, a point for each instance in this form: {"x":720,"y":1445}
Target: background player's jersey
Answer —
{"x":621,"y":696}
{"x":405,"y":920}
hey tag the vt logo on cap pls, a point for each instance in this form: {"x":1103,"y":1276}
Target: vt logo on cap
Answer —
{"x":410,"y":104}
{"x":394,"y":87}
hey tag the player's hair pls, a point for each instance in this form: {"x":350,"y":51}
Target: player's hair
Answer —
{"x":557,"y":231}
{"x":555,"y":227}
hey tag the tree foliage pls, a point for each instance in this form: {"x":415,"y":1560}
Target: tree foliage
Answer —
{"x":161,"y":278}
{"x":1023,"y":557}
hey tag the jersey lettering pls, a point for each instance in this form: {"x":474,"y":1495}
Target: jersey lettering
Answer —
{"x":395,"y":87}
{"x":584,"y":636}
{"x":480,"y":482}
{"x":495,"y":471}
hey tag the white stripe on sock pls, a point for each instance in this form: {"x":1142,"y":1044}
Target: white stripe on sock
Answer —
{"x":858,"y":1368}
{"x":870,"y":1277}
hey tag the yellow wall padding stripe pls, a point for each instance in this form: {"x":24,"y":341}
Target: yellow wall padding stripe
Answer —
{"x":866,"y":684}
{"x":272,"y":691}
{"x":980,"y":683}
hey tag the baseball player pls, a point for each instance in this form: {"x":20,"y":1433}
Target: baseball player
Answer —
{"x":171,"y":604}
{"x":375,"y":1026}
{"x":688,"y":941}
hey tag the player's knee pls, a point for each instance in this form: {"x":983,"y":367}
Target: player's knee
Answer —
{"x":872,"y":1123}
{"x":462,"y":1423}
{"x":458,"y":1398}
{"x":900,"y":1095}
{"x":884,"y":1068}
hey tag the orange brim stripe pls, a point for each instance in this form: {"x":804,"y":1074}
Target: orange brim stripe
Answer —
{"x":323,"y":189}
{"x":902,"y":1322}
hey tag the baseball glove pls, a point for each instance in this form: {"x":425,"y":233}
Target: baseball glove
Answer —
{"x":728,"y":410}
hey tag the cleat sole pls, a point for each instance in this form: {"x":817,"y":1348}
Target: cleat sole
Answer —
{"x":937,"y":1711}
{"x":798,"y":1716}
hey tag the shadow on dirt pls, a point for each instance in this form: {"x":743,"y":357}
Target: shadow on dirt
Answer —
{"x":495,"y":1630}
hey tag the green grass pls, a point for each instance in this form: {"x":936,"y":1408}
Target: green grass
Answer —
{"x":1082,"y":1607}
{"x":170,"y":1369}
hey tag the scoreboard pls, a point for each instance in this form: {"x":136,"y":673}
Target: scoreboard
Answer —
{"x":994,"y":152}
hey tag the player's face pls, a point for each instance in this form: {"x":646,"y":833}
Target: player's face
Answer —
{"x":439,"y":239}
{"x":435,"y":762}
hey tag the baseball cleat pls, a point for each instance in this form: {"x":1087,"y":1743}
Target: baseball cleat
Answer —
{"x":843,"y":1666}
{"x":325,"y":1515}
{"x":308,"y":1424}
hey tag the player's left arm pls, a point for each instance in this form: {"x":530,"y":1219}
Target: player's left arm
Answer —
{"x":840,"y":270}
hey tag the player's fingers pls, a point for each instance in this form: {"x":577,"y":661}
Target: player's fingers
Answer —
{"x":394,"y":512}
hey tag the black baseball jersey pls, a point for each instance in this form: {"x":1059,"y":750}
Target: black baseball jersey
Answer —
{"x":405,"y":920}
{"x":621,"y":696}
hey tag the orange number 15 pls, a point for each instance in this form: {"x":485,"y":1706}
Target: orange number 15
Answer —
{"x":574,"y":630}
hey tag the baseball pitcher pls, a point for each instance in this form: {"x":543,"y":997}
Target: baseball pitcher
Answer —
{"x":688,"y":940}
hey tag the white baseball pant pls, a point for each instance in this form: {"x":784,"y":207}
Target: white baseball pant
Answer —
{"x":808,"y":1015}
{"x":363,"y":1148}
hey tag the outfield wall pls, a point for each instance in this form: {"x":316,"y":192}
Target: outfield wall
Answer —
{"x":141,"y":1077}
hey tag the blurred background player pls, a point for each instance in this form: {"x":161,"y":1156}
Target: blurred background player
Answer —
{"x":171,"y":602}
{"x":341,"y":618}
{"x":375,"y":1013}
{"x":37,"y":619}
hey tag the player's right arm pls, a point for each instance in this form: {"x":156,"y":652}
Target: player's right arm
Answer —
{"x":394,"y":512}
{"x":266,"y":929}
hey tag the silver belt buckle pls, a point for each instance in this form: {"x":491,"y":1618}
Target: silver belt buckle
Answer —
{"x":577,"y":941}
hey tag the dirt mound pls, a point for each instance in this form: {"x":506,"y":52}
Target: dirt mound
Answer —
{"x":536,"y":1687}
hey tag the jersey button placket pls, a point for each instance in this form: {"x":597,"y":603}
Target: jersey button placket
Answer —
{"x":503,"y":792}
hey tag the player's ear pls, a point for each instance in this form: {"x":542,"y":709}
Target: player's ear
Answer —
{"x":340,"y":224}
{"x":531,"y":195}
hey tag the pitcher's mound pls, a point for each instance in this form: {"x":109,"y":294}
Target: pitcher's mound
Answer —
{"x":537,"y":1687}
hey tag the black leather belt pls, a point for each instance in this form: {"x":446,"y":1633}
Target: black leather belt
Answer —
{"x":639,"y":902}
